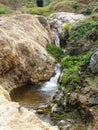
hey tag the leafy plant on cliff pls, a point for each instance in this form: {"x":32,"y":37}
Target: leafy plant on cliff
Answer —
{"x":55,"y":51}
{"x":82,"y":31}
{"x":72,"y":66}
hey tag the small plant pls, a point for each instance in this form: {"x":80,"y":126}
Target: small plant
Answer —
{"x":88,"y":11}
{"x":2,"y":11}
{"x":72,"y":65}
{"x":67,"y":28}
{"x":75,"y":6}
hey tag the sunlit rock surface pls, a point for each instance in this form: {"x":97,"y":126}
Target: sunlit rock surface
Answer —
{"x":14,"y":117}
{"x":23,"y":57}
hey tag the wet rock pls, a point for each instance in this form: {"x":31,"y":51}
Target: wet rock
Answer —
{"x":55,"y":96}
{"x":94,"y":62}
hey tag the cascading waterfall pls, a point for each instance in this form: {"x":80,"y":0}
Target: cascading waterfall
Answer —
{"x":52,"y":84}
{"x":57,"y":40}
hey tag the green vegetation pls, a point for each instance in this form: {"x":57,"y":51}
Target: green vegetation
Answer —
{"x":87,"y":11}
{"x":84,"y":31}
{"x":52,"y":6}
{"x":64,"y":5}
{"x":55,"y":51}
{"x":72,"y":65}
{"x":39,"y":11}
{"x":4,"y":9}
{"x":75,"y":5}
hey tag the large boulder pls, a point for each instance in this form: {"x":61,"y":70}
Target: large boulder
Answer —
{"x":23,"y":57}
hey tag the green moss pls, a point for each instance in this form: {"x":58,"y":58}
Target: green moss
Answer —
{"x":81,"y":31}
{"x":72,"y":65}
{"x":39,"y":11}
{"x":4,"y":9}
{"x":55,"y":51}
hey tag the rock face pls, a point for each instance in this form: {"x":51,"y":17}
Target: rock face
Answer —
{"x":14,"y":117}
{"x":94,"y":62}
{"x":58,"y":20}
{"x":23,"y":57}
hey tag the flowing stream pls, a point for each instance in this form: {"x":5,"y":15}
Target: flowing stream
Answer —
{"x":35,"y":96}
{"x":57,"y":40}
{"x":31,"y":95}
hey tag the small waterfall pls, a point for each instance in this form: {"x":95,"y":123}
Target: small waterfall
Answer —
{"x":57,"y":40}
{"x":52,"y":84}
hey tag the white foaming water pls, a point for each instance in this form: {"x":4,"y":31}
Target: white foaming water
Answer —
{"x":57,"y":40}
{"x":52,"y":84}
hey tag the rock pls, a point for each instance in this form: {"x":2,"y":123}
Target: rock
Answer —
{"x":42,"y":19}
{"x":66,"y":127}
{"x":94,"y":62}
{"x":73,"y":98}
{"x":23,"y":57}
{"x":80,"y":48}
{"x":39,"y":111}
{"x":82,"y":99}
{"x":86,"y":90}
{"x":54,"y":108}
{"x":14,"y":117}
{"x":95,"y":101}
{"x":62,"y":123}
{"x":58,"y":20}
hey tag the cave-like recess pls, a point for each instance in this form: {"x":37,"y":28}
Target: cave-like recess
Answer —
{"x":41,"y":3}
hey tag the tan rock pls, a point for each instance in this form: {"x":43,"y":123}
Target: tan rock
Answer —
{"x":23,"y":57}
{"x":14,"y":117}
